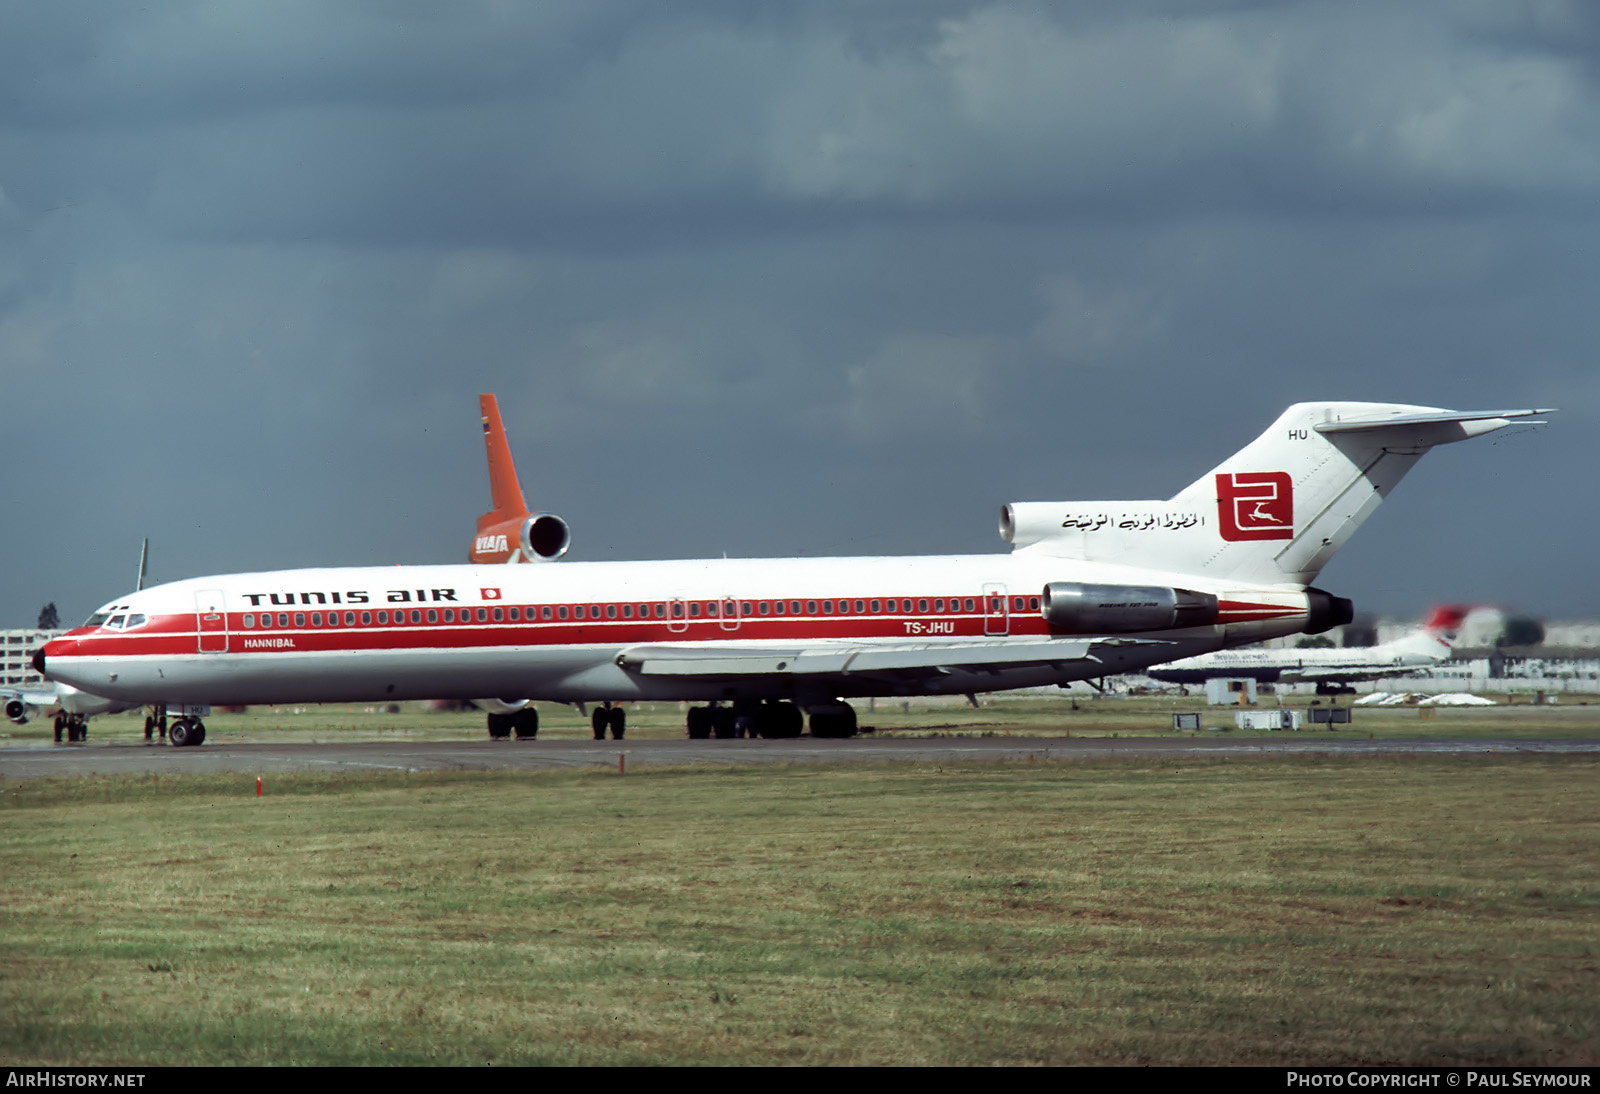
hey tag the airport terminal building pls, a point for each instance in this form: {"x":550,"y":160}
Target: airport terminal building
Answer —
{"x":16,"y":670}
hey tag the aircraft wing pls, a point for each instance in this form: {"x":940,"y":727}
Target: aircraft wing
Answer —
{"x":31,"y":696}
{"x":898,"y":659}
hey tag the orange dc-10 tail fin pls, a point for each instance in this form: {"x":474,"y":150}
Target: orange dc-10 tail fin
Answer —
{"x":508,"y":532}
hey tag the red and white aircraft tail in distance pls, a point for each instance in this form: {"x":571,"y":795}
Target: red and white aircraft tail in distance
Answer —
{"x":1329,"y":669}
{"x":1089,"y":589}
{"x":508,"y":532}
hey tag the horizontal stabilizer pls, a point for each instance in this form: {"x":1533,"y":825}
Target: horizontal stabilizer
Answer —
{"x":1470,"y":423}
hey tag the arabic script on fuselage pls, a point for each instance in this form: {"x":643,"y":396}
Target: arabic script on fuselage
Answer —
{"x":1132,"y":522}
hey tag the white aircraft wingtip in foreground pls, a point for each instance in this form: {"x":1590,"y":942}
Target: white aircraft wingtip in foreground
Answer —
{"x":1089,"y":589}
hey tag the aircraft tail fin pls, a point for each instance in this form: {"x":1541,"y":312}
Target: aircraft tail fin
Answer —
{"x":1275,"y":511}
{"x":1437,"y":636}
{"x":1445,"y":620}
{"x":504,"y":490}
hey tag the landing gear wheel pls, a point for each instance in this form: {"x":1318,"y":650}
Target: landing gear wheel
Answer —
{"x":722,"y":723}
{"x":699,"y":723}
{"x":149,"y":728}
{"x":526,"y":723}
{"x":61,"y":724}
{"x":597,"y":722}
{"x":618,"y":722}
{"x":197,"y":735}
{"x":499,"y":727}
{"x":834,"y":722}
{"x":178,"y":733}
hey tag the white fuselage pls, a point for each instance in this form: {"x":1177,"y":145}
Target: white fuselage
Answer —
{"x":564,"y":632}
{"x":1309,"y":665}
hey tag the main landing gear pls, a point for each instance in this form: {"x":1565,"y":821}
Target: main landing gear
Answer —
{"x":75,"y":726}
{"x":524,"y":723}
{"x":609,"y":717}
{"x":746,"y":718}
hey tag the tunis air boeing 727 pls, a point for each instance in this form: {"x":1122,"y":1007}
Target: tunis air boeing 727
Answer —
{"x":1088,"y":589}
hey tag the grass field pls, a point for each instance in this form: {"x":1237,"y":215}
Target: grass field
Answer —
{"x":1079,"y":716}
{"x":1310,"y":910}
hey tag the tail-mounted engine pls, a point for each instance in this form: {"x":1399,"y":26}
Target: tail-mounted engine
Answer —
{"x":1117,"y":609}
{"x":545,"y":537}
{"x":1324,"y":611}
{"x":16,"y":710}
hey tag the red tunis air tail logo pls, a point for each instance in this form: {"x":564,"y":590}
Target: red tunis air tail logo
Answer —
{"x":1255,"y":505}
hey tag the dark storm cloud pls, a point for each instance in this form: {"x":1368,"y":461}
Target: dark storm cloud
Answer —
{"x":780,"y":278}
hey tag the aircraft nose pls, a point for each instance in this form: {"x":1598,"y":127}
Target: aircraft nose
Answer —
{"x":38,"y":660}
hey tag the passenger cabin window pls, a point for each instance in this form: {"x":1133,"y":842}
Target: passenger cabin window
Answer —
{"x":383,"y":617}
{"x":249,"y":620}
{"x":366,"y":619}
{"x":811,"y":607}
{"x":877,"y":606}
{"x":283,"y":619}
{"x":433,"y":615}
{"x":577,"y":611}
{"x":499,"y":615}
{"x":611,"y":611}
{"x":827,"y":607}
{"x":1033,"y":603}
{"x":562,"y":611}
{"x":299,"y":619}
{"x":516,"y":614}
{"x":777,"y":607}
{"x":316,"y":619}
{"x":627,"y":611}
{"x":544,"y":612}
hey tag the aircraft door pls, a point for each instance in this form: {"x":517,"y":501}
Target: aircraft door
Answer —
{"x":996,"y":617}
{"x":677,"y":616}
{"x":730,"y":614}
{"x":211,"y":621}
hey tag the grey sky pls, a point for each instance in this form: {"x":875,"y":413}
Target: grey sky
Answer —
{"x":809,"y":278}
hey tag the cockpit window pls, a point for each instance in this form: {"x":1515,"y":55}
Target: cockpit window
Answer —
{"x":116,"y":622}
{"x":97,"y":618}
{"x":135,"y":621}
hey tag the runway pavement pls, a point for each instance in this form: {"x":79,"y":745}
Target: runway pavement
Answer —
{"x":115,"y":758}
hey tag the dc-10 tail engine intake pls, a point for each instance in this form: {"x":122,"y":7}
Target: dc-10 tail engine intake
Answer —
{"x":545,"y":537}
